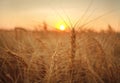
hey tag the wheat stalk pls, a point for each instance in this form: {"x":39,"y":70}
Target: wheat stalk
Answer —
{"x":73,"y":51}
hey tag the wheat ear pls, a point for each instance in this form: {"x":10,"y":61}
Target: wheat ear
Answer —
{"x":72,"y":57}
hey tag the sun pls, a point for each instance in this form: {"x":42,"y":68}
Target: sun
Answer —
{"x":62,"y":27}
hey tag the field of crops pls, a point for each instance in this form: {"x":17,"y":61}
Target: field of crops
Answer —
{"x":59,"y":57}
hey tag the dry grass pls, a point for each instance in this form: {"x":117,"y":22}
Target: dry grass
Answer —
{"x":54,"y":57}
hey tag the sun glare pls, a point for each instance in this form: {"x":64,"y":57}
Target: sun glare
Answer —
{"x":62,"y":27}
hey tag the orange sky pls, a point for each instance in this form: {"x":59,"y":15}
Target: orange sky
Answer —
{"x":31,"y":13}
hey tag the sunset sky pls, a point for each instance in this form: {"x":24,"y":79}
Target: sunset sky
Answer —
{"x":30,"y":13}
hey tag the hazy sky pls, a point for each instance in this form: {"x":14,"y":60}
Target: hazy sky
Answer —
{"x":30,"y":13}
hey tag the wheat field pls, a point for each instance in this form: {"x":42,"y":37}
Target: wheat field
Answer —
{"x":59,"y":57}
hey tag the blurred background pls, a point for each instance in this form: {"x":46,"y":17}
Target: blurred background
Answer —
{"x":32,"y":13}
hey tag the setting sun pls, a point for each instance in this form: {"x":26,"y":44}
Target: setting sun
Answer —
{"x":62,"y":27}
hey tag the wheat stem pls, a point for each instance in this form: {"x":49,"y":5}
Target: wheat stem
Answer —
{"x":73,"y":51}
